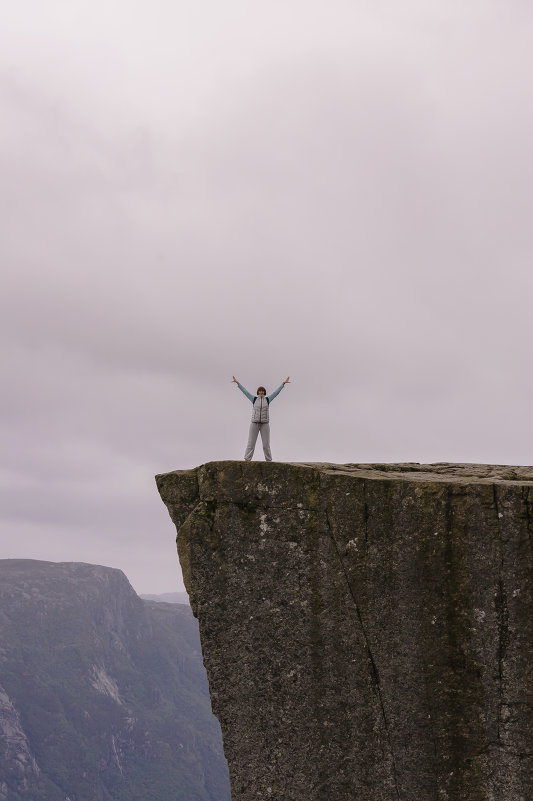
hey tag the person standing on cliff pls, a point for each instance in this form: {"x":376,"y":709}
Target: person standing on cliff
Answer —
{"x":260,"y":419}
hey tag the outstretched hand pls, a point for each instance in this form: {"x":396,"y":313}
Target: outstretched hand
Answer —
{"x":287,"y":380}
{"x":234,"y":379}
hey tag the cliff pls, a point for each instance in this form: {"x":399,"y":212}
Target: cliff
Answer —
{"x":367,"y":629}
{"x":103,"y":696}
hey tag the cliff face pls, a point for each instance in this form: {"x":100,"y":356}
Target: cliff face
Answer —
{"x":367,"y":629}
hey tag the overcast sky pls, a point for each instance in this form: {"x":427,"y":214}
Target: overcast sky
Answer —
{"x":337,"y":191}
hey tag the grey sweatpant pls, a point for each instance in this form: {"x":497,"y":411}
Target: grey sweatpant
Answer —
{"x":255,"y":428}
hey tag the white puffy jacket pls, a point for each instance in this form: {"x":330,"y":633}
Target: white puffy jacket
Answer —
{"x":261,"y":403}
{"x":260,"y":409}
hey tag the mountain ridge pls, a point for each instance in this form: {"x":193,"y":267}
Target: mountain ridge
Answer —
{"x":103,"y":695}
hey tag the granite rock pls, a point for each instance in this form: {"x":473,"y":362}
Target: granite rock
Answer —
{"x":367,"y":629}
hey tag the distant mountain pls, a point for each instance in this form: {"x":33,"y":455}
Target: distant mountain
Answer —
{"x":168,"y":597}
{"x":103,"y":696}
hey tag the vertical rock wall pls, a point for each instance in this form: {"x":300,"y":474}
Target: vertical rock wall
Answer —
{"x":367,"y":629}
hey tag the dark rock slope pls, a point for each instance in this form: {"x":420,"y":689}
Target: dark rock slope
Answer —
{"x":103,"y":696}
{"x":367,"y":629}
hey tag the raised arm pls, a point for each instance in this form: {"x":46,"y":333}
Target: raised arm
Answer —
{"x":242,"y":389}
{"x":278,"y":390}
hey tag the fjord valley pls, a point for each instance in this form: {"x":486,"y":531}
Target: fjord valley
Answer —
{"x":103,"y":695}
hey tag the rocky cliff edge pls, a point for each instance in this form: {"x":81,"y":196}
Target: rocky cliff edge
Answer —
{"x":367,"y":629}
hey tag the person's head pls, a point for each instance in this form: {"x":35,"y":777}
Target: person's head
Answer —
{"x":261,"y":391}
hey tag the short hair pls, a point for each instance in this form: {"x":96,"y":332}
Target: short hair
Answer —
{"x":261,"y":388}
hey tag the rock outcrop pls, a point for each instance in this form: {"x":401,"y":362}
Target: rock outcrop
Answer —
{"x":367,"y":629}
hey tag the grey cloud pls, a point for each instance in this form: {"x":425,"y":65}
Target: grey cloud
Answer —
{"x":351,"y":209}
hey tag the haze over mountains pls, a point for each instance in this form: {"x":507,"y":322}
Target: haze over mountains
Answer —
{"x":167,"y":597}
{"x":103,"y":695}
